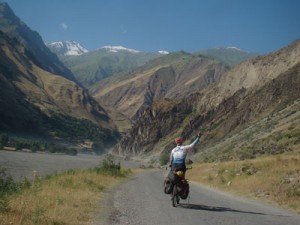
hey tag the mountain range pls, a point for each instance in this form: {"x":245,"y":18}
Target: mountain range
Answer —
{"x":96,"y":65}
{"x":249,"y":111}
{"x":175,"y":75}
{"x":245,"y":104}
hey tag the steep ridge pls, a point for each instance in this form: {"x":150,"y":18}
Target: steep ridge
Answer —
{"x":252,"y":91}
{"x":37,"y":102}
{"x":256,"y":116}
{"x":175,"y":75}
{"x":230,"y":56}
{"x":27,"y":83}
{"x":252,"y":74}
{"x":32,"y":41}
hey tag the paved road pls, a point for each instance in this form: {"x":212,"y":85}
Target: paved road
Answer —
{"x":22,"y":165}
{"x":141,"y":201}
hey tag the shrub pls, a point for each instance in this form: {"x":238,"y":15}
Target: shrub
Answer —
{"x":109,"y":167}
{"x":8,"y":186}
{"x":4,"y":139}
{"x":35,"y":147}
{"x":164,"y":159}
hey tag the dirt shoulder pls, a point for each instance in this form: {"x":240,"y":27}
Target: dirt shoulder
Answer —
{"x":272,"y":179}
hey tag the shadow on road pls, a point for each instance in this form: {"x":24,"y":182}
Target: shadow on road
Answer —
{"x":217,"y":209}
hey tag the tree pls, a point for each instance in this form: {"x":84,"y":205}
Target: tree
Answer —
{"x":4,"y":139}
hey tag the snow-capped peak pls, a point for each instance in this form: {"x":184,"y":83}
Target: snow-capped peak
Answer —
{"x":118,"y":49}
{"x":163,"y":52}
{"x":67,"y":48}
{"x":234,"y":48}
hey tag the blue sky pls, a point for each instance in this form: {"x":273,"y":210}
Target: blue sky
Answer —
{"x":260,"y":26}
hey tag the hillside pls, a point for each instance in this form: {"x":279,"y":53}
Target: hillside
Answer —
{"x":28,"y":90}
{"x":244,"y":97}
{"x":230,"y":56}
{"x":35,"y":101}
{"x":175,"y":75}
{"x":11,"y":25}
{"x":99,"y":64}
{"x":252,"y":74}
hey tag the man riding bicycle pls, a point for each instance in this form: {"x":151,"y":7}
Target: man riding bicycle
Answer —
{"x":177,"y":163}
{"x":179,"y":153}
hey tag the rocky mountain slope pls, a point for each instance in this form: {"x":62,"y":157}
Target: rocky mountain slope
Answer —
{"x":175,"y":75}
{"x":12,"y":26}
{"x":252,"y":74}
{"x":34,"y":100}
{"x":252,"y":92}
{"x":35,"y":86}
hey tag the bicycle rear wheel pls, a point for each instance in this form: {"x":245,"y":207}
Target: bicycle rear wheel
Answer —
{"x":176,"y":198}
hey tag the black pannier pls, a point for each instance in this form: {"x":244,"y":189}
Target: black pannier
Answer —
{"x":168,"y":186}
{"x":185,"y":189}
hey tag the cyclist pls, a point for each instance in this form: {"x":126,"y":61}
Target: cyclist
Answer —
{"x":177,"y":162}
{"x":178,"y":154}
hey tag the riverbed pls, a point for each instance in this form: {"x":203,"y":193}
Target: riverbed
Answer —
{"x":27,"y":165}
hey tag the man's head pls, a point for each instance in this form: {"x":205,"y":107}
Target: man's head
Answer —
{"x":178,"y":140}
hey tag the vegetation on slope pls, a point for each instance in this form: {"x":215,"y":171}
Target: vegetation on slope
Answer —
{"x":60,"y":127}
{"x":275,"y":134}
{"x":97,"y":65}
{"x":228,"y":56}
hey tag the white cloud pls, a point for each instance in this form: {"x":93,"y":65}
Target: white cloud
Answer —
{"x":123,"y":30}
{"x":64,"y":26}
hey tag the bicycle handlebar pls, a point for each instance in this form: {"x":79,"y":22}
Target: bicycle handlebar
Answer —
{"x":187,"y":168}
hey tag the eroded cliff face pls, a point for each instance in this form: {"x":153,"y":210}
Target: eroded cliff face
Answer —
{"x":251,"y":75}
{"x":156,"y":122}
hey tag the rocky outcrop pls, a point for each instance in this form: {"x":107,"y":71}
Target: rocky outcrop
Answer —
{"x":156,"y":122}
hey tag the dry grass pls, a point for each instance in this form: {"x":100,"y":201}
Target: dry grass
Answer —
{"x":68,"y":198}
{"x":275,"y":179}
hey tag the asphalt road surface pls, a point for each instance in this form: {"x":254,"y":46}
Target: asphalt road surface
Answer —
{"x":141,"y":201}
